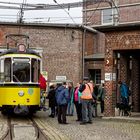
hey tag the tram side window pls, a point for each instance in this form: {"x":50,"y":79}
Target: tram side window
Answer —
{"x":38,"y":69}
{"x":35,"y":70}
{"x":1,"y":70}
{"x":7,"y":69}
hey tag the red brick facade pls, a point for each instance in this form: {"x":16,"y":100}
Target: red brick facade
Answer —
{"x":128,"y":11}
{"x":121,"y":44}
{"x":125,"y":43}
{"x":62,"y":47}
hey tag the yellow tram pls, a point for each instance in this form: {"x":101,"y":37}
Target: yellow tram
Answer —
{"x":19,"y":80}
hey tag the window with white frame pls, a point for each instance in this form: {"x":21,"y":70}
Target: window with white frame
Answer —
{"x":107,"y":16}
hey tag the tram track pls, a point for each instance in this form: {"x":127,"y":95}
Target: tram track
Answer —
{"x":22,"y":128}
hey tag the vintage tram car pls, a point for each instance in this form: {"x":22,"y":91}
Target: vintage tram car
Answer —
{"x":20,"y":68}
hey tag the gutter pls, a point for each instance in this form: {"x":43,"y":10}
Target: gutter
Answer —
{"x":56,"y":25}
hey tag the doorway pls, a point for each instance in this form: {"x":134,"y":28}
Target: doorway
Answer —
{"x":127,"y":68}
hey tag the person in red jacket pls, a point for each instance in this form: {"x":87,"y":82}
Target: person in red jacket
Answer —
{"x":42,"y":82}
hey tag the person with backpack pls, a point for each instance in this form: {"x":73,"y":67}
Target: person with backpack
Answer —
{"x":86,"y":99}
{"x":124,"y":93}
{"x":62,"y":96}
{"x":124,"y":96}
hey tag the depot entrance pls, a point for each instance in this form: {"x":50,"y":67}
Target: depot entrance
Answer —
{"x":126,"y":66}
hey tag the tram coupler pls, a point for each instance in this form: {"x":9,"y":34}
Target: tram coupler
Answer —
{"x":21,"y":110}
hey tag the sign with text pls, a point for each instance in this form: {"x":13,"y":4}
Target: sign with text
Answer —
{"x":61,"y":78}
{"x":114,"y":77}
{"x":108,"y":76}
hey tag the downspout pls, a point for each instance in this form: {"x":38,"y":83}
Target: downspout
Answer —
{"x":83,"y":52}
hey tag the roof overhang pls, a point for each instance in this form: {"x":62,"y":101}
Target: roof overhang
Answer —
{"x":96,"y":57}
{"x":119,"y":27}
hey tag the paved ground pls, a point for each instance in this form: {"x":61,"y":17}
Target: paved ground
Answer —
{"x":101,"y":129}
{"x":3,"y":125}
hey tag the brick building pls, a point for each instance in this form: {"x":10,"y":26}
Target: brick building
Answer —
{"x":62,"y":46}
{"x":118,"y":44}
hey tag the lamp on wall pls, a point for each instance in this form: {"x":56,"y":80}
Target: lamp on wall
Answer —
{"x":118,"y":55}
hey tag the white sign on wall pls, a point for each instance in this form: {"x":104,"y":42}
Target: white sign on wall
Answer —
{"x":61,"y":78}
{"x":108,"y":76}
{"x":114,"y":76}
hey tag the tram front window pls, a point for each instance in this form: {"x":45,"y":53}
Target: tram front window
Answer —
{"x":21,"y":72}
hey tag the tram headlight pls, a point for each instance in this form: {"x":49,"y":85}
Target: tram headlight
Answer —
{"x":21,"y":93}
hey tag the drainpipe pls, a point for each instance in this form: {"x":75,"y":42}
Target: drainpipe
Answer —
{"x":83,"y":52}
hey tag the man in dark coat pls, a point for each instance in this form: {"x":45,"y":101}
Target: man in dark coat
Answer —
{"x":52,"y":101}
{"x":62,"y":101}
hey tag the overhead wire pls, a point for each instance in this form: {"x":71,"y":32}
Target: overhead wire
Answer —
{"x":116,"y":7}
{"x":65,"y":11}
{"x":21,"y":12}
{"x":53,"y":19}
{"x":112,"y":5}
{"x":25,"y":6}
{"x":54,"y":7}
{"x":87,"y":20}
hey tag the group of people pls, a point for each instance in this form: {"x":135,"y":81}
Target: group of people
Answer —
{"x":64,"y":97}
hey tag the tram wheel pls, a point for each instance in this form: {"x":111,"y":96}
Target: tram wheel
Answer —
{"x":4,"y":111}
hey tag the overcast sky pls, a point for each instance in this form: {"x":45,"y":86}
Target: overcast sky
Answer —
{"x":73,"y":15}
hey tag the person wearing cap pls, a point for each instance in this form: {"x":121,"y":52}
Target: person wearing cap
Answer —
{"x":86,"y":99}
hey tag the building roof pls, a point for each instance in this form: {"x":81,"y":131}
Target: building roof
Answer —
{"x":55,"y":25}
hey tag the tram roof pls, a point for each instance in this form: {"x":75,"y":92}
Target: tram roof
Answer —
{"x":15,"y":51}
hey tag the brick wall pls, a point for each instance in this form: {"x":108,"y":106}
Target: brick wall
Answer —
{"x":129,"y":11}
{"x":62,"y":48}
{"x":122,"y":42}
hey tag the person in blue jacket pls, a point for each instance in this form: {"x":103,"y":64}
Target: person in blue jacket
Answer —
{"x":62,"y":96}
{"x":124,"y":93}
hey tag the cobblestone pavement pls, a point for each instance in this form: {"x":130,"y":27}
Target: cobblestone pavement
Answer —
{"x":3,"y":125}
{"x":101,"y":129}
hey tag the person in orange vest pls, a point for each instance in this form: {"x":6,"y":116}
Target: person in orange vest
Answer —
{"x":86,"y":99}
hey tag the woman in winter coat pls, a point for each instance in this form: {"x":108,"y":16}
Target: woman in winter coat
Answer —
{"x":77,"y":102}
